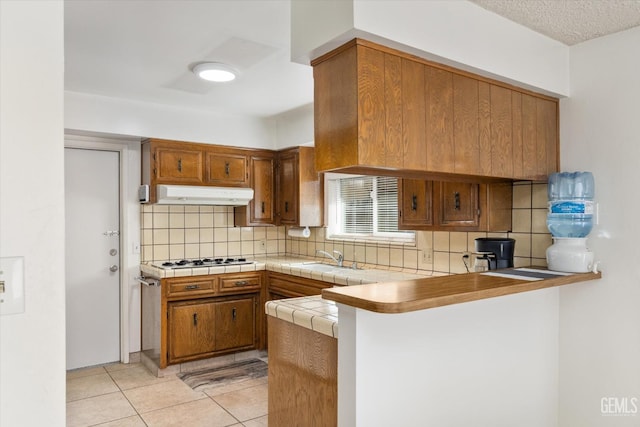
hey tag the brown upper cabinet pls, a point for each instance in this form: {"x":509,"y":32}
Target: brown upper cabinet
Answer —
{"x":300,"y":197}
{"x":261,"y":210}
{"x":454,"y":206}
{"x":226,"y":167}
{"x":381,"y":111}
{"x":188,"y":163}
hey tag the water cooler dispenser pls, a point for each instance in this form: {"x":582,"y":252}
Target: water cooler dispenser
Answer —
{"x":570,"y":220}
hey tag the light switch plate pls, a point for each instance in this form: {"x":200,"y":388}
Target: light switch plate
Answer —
{"x":12,"y":274}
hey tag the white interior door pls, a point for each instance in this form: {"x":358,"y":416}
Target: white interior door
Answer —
{"x":92,"y":202}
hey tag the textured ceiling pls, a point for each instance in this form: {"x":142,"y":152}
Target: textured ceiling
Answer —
{"x":569,"y":21}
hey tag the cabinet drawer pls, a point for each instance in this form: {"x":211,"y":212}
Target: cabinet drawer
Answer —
{"x":227,"y":169}
{"x":240,"y":283}
{"x":190,"y":286}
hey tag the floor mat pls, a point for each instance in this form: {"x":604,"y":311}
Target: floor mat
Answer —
{"x":236,"y":372}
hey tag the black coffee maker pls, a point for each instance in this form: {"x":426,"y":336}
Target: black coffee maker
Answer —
{"x":501,"y":248}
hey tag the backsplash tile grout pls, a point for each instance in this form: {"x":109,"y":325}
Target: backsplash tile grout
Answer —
{"x":176,"y":232}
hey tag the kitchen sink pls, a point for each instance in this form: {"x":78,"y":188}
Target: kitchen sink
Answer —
{"x":318,"y":266}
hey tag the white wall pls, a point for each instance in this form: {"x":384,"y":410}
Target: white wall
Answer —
{"x":294,"y":127}
{"x":32,"y":344}
{"x":93,"y":113}
{"x":486,"y":363}
{"x":600,"y":322}
{"x":458,"y":33}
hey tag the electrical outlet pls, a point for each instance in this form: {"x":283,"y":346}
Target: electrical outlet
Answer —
{"x":427,"y":258}
{"x":262,"y":246}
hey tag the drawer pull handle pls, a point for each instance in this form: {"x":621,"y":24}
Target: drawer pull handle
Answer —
{"x":233,"y":313}
{"x":286,"y":207}
{"x":456,"y":196}
{"x":179,"y":165}
{"x":242,"y":283}
{"x":195,"y":319}
{"x":226,"y":168}
{"x":262,"y":207}
{"x":189,"y":287}
{"x":414,"y":203}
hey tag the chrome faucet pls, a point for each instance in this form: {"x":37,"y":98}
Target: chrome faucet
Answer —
{"x":338,"y":260}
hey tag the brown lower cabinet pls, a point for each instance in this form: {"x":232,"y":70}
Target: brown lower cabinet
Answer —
{"x":201,"y":328}
{"x":303,"y":376}
{"x":288,"y":286}
{"x":196,"y":317}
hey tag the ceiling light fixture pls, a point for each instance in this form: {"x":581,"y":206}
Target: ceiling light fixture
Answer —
{"x":214,"y":72}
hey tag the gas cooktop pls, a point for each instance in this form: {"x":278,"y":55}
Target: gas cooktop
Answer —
{"x":204,"y":262}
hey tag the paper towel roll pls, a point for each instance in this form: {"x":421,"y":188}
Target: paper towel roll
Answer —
{"x":299,"y":232}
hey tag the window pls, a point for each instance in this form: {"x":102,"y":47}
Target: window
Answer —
{"x":364,"y":208}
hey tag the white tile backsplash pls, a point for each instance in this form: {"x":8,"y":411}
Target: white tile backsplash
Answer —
{"x":172,"y":232}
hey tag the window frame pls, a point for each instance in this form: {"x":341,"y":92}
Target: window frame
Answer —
{"x":332,"y":214}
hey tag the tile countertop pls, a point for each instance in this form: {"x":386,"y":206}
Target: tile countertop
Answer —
{"x":314,"y":312}
{"x":283,"y":264}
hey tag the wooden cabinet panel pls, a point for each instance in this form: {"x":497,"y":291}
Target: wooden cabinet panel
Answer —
{"x":176,"y":165}
{"x":238,"y":283}
{"x":288,"y":189}
{"x":300,"y":197}
{"x":335,"y":109}
{"x":547,"y":121}
{"x":456,"y":204}
{"x":189,"y":286}
{"x":261,"y":210}
{"x":439,"y":120}
{"x":516,"y":139}
{"x":414,"y":131}
{"x":393,"y":152}
{"x":415,"y":201}
{"x":289,"y":286}
{"x":466,"y":130}
{"x":371,"y":107}
{"x":501,"y":132}
{"x":191,"y":329}
{"x":235,"y":323}
{"x":529,"y":138}
{"x":226,"y":169}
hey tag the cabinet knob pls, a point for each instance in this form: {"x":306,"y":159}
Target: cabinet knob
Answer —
{"x":233,"y":313}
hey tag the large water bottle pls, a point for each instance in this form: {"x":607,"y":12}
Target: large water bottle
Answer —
{"x":570,"y":204}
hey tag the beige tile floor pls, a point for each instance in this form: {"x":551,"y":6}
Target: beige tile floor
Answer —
{"x":129,"y":395}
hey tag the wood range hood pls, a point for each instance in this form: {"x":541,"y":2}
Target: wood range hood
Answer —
{"x":381,"y":111}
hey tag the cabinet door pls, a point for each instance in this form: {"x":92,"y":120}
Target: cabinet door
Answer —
{"x":262,"y":180}
{"x":227,"y":169}
{"x":235,"y":324}
{"x":288,"y":189}
{"x":191,"y":329}
{"x":178,"y":166}
{"x":414,"y":199}
{"x":456,"y":204}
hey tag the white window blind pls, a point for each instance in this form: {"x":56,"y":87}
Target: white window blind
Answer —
{"x":365,"y":207}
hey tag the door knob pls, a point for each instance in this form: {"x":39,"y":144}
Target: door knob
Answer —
{"x":113,"y":268}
